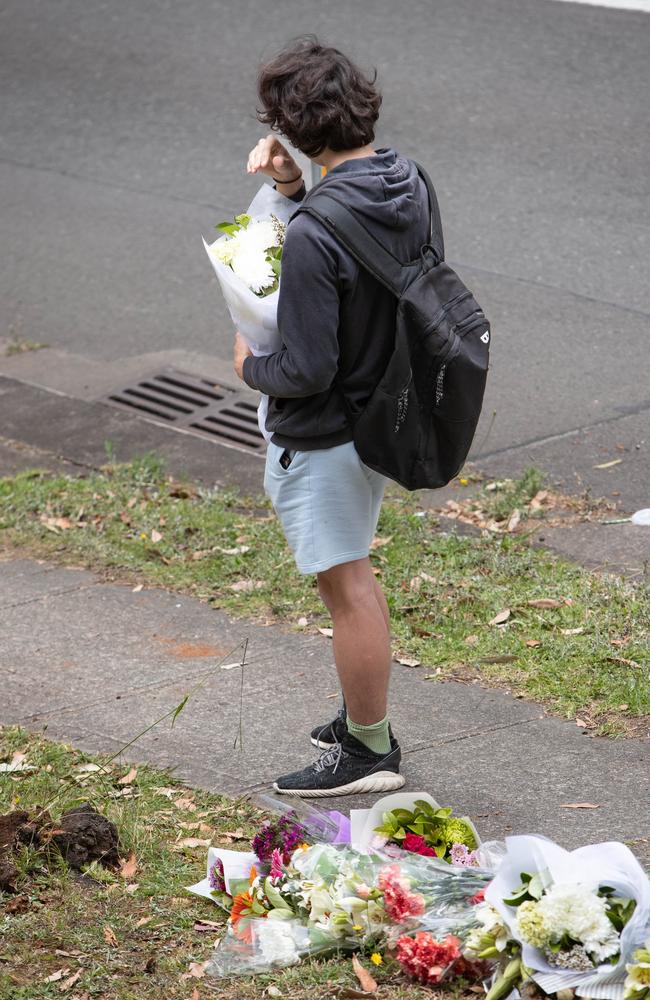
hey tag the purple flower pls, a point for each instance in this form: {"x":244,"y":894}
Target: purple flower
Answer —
{"x":216,"y":877}
{"x":284,"y":835}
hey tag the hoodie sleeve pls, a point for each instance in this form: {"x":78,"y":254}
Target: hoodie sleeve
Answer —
{"x":308,"y":317}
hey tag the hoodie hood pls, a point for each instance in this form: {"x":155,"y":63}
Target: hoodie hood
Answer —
{"x":385,"y":190}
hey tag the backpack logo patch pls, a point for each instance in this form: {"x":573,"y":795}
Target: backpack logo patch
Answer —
{"x":486,"y":337}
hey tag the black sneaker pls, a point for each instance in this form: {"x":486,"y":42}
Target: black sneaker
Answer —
{"x":346,"y":769}
{"x":330,"y":735}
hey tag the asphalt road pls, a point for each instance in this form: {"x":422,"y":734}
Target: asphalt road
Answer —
{"x":125,"y":127}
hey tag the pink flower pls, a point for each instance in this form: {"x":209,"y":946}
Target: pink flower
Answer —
{"x":276,"y":864}
{"x":425,"y":959}
{"x":417,"y":845}
{"x":399,"y":901}
{"x":462,"y":857}
{"x":478,"y":898}
{"x":363,"y":891}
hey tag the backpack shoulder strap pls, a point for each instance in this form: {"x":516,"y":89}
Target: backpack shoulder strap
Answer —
{"x":350,"y":231}
{"x":435,"y":231}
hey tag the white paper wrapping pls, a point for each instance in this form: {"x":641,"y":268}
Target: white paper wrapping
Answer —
{"x":236,"y":865}
{"x":254,"y":317}
{"x":610,"y":864}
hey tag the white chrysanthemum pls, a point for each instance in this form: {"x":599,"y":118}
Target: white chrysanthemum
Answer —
{"x":275,"y":938}
{"x":258,"y":236}
{"x":253,"y":268}
{"x":576,"y":909}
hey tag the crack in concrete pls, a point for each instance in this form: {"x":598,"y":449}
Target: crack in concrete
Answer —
{"x":49,"y":593}
{"x":471,"y":734}
{"x":631,"y":411}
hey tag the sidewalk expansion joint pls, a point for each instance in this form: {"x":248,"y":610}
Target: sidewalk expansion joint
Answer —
{"x":49,"y":593}
{"x":473,"y":733}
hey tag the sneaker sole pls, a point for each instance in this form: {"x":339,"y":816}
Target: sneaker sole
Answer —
{"x":382,"y":781}
{"x":322,"y":745}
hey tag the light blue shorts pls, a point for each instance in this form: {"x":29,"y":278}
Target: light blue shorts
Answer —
{"x":328,"y":504}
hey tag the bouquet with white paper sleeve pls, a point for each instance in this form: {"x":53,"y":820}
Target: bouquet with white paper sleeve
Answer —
{"x":575,"y":918}
{"x":247,"y":260}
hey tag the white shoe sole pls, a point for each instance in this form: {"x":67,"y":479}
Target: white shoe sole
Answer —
{"x":380,"y":781}
{"x":322,"y":745}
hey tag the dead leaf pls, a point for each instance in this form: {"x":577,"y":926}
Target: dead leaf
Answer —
{"x":246,"y":585}
{"x":624,"y":707}
{"x":132,"y":502}
{"x":190,"y":843}
{"x":302,"y":622}
{"x":68,"y":983}
{"x":202,"y":926}
{"x":513,"y":520}
{"x":623,"y":659}
{"x":144,"y":920}
{"x":501,"y":618}
{"x":137,"y":588}
{"x":579,"y":805}
{"x":150,"y":965}
{"x":329,"y":632}
{"x":471,"y":640}
{"x":17,"y":763}
{"x":545,"y":602}
{"x":532,"y":643}
{"x":56,"y":524}
{"x":54,"y":978}
{"x":273,"y":991}
{"x":155,"y":535}
{"x":620,"y":642}
{"x":195,"y":995}
{"x":407,"y":661}
{"x":233,"y":835}
{"x":538,"y":500}
{"x":572,"y":631}
{"x":196,"y":970}
{"x":109,"y":937}
{"x":129,"y":778}
{"x":378,"y":542}
{"x":167,"y":792}
{"x":129,"y":866}
{"x":608,"y":465}
{"x":187,"y":804}
{"x":238,"y":551}
{"x":366,"y":981}
{"x":582,"y":724}
{"x":88,"y":768}
{"x":415,"y":583}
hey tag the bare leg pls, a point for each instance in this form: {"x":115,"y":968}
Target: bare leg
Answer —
{"x":361,"y":638}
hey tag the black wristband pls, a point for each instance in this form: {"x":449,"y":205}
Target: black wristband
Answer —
{"x":292,"y":181}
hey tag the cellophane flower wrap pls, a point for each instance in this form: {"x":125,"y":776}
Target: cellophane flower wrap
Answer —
{"x":332,"y":898}
{"x":253,"y":315}
{"x":589,"y":915}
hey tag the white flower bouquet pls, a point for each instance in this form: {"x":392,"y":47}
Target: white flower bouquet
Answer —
{"x":575,"y":917}
{"x":247,"y":260}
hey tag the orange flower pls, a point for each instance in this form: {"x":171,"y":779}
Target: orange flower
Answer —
{"x":239,"y":914}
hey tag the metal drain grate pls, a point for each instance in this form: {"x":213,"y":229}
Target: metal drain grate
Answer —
{"x":195,"y":404}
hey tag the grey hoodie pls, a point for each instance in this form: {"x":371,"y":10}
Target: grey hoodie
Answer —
{"x":334,"y":317}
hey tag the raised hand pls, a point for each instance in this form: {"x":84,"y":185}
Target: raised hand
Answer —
{"x":270,"y":157}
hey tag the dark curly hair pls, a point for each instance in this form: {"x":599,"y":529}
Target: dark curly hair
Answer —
{"x":317,"y":98}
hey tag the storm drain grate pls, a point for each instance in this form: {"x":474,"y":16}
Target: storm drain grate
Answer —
{"x":196,"y":404}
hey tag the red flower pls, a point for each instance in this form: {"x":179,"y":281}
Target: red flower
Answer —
{"x":478,"y":898}
{"x":399,"y":901}
{"x":417,"y":845}
{"x":427,"y":960}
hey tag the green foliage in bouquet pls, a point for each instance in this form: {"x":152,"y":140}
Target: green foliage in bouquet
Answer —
{"x":438,"y":828}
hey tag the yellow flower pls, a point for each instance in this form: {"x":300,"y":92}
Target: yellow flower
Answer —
{"x":376,"y":958}
{"x":142,"y":534}
{"x":464,"y":482}
{"x":357,"y":927}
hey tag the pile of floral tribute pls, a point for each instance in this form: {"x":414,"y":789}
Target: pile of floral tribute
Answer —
{"x":409,"y":880}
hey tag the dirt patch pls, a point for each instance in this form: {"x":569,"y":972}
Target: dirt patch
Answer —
{"x":181,"y":650}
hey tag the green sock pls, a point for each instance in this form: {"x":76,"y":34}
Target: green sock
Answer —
{"x":375,"y":737}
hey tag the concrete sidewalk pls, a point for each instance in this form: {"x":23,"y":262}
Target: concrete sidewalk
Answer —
{"x":97,"y":662}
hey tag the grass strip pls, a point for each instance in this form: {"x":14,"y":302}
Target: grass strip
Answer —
{"x":135,"y":938}
{"x":489,"y":609}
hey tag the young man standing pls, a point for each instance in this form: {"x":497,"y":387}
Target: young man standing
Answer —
{"x":337,"y":324}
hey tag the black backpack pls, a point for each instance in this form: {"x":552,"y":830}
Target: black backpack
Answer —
{"x":417,"y":426}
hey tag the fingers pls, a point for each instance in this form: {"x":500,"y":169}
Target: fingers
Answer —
{"x":262,"y":155}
